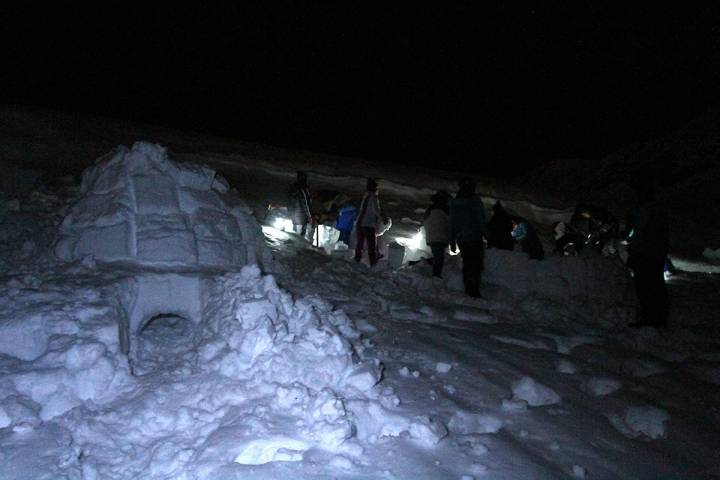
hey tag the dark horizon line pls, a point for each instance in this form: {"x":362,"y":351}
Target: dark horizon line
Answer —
{"x":389,"y":155}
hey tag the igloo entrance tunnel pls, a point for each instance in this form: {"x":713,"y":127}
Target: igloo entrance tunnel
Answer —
{"x":166,"y":223}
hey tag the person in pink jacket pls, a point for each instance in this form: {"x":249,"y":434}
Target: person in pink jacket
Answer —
{"x":370,"y":216}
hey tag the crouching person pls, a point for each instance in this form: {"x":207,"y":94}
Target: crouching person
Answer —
{"x":437,"y":229}
{"x":525,"y":233}
{"x":346,"y":219}
{"x":467,"y":229}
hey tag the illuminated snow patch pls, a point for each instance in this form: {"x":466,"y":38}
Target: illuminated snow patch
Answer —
{"x":283,"y":224}
{"x":276,"y":449}
{"x":415,"y":242}
{"x":325,"y":236}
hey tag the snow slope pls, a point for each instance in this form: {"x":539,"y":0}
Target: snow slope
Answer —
{"x":324,"y":368}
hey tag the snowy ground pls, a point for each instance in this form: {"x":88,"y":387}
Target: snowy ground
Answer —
{"x":329,"y":369}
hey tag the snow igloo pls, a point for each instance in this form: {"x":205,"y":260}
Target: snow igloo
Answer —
{"x":168,"y":223}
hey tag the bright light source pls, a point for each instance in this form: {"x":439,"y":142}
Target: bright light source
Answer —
{"x":283,"y":224}
{"x":404,"y":241}
{"x":416,"y":241}
{"x":325,"y":236}
{"x":413,"y":243}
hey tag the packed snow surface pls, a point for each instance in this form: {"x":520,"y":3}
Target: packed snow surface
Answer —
{"x":314,"y":366}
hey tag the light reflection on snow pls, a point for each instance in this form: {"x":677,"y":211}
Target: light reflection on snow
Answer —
{"x":415,"y":242}
{"x":283,"y":224}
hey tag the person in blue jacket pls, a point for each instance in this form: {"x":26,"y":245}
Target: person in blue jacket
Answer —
{"x":467,"y":229}
{"x":346,"y":219}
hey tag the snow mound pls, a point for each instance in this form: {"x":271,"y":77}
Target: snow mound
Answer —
{"x":601,"y":386}
{"x":534,"y":393}
{"x":594,"y":287}
{"x":138,"y":205}
{"x":427,"y":431}
{"x":65,"y":350}
{"x":268,"y":378}
{"x":642,"y":422}
{"x":256,"y":331}
{"x":463,"y":422}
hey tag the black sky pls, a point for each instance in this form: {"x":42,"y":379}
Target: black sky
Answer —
{"x":495,"y":87}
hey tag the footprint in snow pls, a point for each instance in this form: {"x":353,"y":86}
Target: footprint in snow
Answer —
{"x":473,"y":443}
{"x":601,"y":386}
{"x":466,"y":423}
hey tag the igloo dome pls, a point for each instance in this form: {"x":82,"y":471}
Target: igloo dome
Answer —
{"x":137,"y":205}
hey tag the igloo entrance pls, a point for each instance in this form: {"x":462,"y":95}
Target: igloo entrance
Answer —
{"x":163,"y":321}
{"x":163,"y":343}
{"x":156,"y":299}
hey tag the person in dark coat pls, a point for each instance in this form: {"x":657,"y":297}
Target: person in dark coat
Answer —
{"x":648,"y":250}
{"x":525,"y":233}
{"x":500,"y":229}
{"x":299,"y":204}
{"x":467,"y":229}
{"x":437,"y":226}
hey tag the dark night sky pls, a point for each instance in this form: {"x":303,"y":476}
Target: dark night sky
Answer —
{"x":496,"y":87}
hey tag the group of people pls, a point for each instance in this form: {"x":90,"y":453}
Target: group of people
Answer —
{"x":460,"y":223}
{"x":368,"y":220}
{"x":590,"y":228}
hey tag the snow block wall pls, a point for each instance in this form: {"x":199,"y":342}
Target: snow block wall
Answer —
{"x":138,"y":205}
{"x":147,"y":295}
{"x":560,"y":278}
{"x":596,"y":286}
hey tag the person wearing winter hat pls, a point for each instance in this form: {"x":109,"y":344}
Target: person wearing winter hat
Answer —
{"x":467,"y":229}
{"x":437,"y":229}
{"x":370,"y":216}
{"x":500,"y":228}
